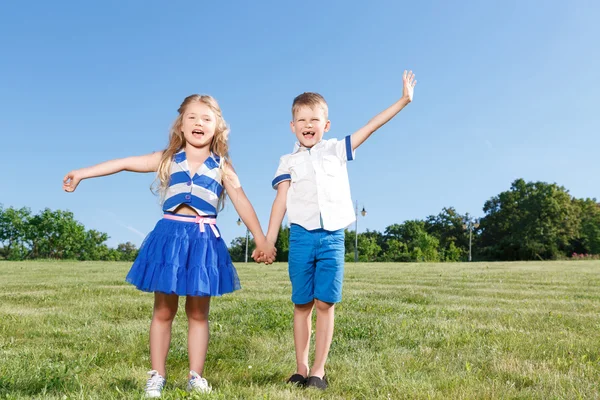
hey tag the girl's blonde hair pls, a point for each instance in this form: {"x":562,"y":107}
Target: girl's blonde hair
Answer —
{"x":218,"y":144}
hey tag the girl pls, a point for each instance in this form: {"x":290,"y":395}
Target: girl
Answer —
{"x":185,"y":255}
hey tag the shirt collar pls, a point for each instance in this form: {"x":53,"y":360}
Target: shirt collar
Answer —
{"x":298,"y":147}
{"x":179,"y":157}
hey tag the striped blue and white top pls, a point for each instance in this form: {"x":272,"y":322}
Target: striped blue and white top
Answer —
{"x":201,"y":191}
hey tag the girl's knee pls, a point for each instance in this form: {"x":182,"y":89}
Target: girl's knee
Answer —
{"x":197,"y":309}
{"x":196,"y":314}
{"x":164,"y":313}
{"x":165,"y":306}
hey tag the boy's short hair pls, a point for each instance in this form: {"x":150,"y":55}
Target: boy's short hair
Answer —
{"x":311,"y":100}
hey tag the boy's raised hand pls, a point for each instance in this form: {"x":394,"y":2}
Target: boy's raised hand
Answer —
{"x":409,"y":81}
{"x":408,"y":89}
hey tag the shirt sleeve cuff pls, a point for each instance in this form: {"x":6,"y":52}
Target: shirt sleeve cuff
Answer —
{"x":349,"y":152}
{"x":280,"y":178}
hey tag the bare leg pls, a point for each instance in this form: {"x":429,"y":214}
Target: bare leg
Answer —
{"x":165,"y":308}
{"x":197,"y":309}
{"x":323,"y":336}
{"x":302,"y":325}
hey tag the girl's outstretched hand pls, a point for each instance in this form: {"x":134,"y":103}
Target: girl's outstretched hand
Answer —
{"x":409,"y":82}
{"x":71,"y":180}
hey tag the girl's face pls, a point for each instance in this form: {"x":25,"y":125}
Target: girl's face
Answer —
{"x":198,"y":124}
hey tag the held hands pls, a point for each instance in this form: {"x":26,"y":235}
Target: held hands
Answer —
{"x":71,"y":180}
{"x":409,"y":81}
{"x":265,"y":252}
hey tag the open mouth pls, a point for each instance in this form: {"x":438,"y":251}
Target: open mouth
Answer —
{"x":198,"y":133}
{"x":308,"y":134}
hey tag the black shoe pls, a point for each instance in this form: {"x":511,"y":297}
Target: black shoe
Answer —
{"x":316,"y":382}
{"x":297,"y":380}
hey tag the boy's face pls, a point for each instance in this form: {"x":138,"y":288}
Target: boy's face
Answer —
{"x":309,"y":125}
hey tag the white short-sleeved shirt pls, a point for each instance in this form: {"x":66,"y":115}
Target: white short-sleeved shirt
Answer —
{"x":319,"y":193}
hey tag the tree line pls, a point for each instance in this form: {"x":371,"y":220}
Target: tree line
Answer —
{"x":530,"y":221}
{"x":54,"y":235}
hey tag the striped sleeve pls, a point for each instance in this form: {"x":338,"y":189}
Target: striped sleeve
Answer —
{"x":343,"y":149}
{"x":282,"y":174}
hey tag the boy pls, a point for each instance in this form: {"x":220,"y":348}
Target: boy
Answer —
{"x":312,"y":185}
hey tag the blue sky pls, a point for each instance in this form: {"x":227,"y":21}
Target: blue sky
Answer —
{"x":505,"y":90}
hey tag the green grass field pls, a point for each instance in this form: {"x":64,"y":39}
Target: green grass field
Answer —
{"x":76,"y":330}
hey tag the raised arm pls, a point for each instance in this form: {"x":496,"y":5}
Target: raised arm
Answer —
{"x":246,"y":212}
{"x":409,"y":82}
{"x":145,"y":163}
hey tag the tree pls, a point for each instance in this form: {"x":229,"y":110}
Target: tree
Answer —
{"x":368,"y":249}
{"x":396,"y":251}
{"x":420,"y":245}
{"x":13,"y":231}
{"x":378,"y":238}
{"x":127,"y":251}
{"x":54,"y":234}
{"x":283,"y":244}
{"x":93,"y":247}
{"x":369,"y":245}
{"x":533,"y":220}
{"x":453,"y":253}
{"x":447,"y":227}
{"x":425,"y":248}
{"x":349,"y":238}
{"x":588,"y":239}
{"x":237,"y":249}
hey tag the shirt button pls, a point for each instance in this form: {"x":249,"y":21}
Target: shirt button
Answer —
{"x":189,"y":183}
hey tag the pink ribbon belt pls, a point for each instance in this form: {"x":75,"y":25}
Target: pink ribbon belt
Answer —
{"x":201,"y":221}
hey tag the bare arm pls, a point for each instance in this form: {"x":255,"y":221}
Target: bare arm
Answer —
{"x":246,"y":211}
{"x":278,"y":211}
{"x":383,"y":117}
{"x":145,"y":163}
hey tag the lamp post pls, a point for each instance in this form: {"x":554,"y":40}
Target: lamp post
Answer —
{"x":239,"y":222}
{"x":470,"y":224}
{"x":363,"y":213}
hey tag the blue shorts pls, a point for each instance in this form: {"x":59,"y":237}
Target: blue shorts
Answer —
{"x":316,"y":264}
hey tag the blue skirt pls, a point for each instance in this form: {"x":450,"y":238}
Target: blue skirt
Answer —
{"x":178,"y":258}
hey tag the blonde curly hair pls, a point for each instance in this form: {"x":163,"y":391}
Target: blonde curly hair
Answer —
{"x":218,"y":145}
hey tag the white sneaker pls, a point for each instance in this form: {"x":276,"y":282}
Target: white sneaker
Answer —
{"x":155,"y":385}
{"x":198,"y":384}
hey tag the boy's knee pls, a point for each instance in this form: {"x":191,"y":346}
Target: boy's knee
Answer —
{"x":323,"y":305}
{"x":305,"y":307}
